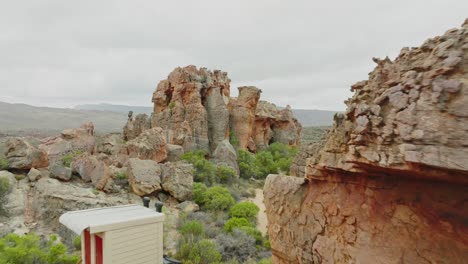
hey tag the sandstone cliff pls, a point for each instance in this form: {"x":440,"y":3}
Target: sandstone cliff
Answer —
{"x":390,"y":184}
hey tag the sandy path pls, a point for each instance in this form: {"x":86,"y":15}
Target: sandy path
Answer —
{"x":261,"y":218}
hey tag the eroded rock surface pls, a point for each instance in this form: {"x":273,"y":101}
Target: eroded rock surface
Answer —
{"x":194,"y":108}
{"x":150,"y":145}
{"x":24,"y":154}
{"x":148,"y":177}
{"x":390,"y":184}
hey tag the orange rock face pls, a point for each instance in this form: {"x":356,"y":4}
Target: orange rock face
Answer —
{"x":390,"y":184}
{"x":194,"y":108}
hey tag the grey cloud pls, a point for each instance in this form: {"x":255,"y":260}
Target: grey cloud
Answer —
{"x":302,"y":53}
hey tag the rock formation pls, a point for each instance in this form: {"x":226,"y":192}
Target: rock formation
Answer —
{"x":194,"y":109}
{"x":390,"y":184}
{"x":150,"y":144}
{"x":191,"y":106}
{"x":147,"y":177}
{"x":24,"y":154}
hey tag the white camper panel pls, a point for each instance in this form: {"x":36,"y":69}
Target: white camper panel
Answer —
{"x":137,"y":245}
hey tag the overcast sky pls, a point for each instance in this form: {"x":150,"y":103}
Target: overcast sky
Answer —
{"x":302,"y":53}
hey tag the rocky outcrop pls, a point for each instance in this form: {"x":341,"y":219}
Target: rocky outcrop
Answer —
{"x":305,"y":154}
{"x":150,"y":145}
{"x":391,"y":181}
{"x":242,"y":115}
{"x":148,"y":177}
{"x":177,"y":180}
{"x":94,"y":169}
{"x":70,"y":142}
{"x":135,"y":126}
{"x":226,"y":155}
{"x":194,"y":109}
{"x":24,"y":154}
{"x":191,"y":106}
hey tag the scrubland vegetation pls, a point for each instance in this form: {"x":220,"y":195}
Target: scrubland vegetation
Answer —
{"x":224,"y":230}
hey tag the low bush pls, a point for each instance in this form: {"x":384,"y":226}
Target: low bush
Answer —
{"x":202,"y":252}
{"x":236,"y":246}
{"x":3,"y":163}
{"x":198,"y":193}
{"x":77,"y":242}
{"x":30,"y":249}
{"x":192,"y":229}
{"x":274,"y":159}
{"x":225,"y":174}
{"x":214,"y":198}
{"x":217,"y":198}
{"x":246,"y":210}
{"x":253,"y":232}
{"x":235,"y":223}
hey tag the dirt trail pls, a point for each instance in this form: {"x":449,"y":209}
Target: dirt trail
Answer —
{"x":262,"y":218}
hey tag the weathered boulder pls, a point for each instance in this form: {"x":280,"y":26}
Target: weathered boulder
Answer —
{"x":60,"y":172}
{"x":174,"y":152}
{"x":147,"y":177}
{"x":226,"y":155}
{"x":177,"y":180}
{"x":95,"y":169}
{"x":136,"y":126}
{"x":23,"y":154}
{"x":110,"y":144}
{"x":390,"y":182}
{"x":70,"y":142}
{"x":34,"y":175}
{"x":188,"y":207}
{"x":150,"y":145}
{"x":144,"y":176}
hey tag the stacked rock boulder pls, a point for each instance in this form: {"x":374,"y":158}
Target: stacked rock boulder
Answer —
{"x":391,"y":182}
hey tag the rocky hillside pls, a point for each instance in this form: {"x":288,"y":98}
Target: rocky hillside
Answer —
{"x":27,"y":119}
{"x":390,"y":183}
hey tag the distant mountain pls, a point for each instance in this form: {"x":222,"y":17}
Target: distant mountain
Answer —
{"x":116,"y":108}
{"x":306,"y":117}
{"x":43,"y":120}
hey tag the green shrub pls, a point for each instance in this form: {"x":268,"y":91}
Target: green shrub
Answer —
{"x":235,"y":223}
{"x":217,"y":199}
{"x":204,"y":170}
{"x":265,"y":261}
{"x":276,"y":158}
{"x":3,"y":163}
{"x":246,"y":210}
{"x":121,"y":175}
{"x":198,"y":193}
{"x":203,"y":252}
{"x":225,"y":174}
{"x":192,"y":228}
{"x":233,"y":139}
{"x":67,"y":159}
{"x":247,"y":166}
{"x":5,"y":189}
{"x":30,"y":249}
{"x":253,"y":232}
{"x":77,"y":242}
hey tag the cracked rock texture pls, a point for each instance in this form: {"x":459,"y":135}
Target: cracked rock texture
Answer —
{"x":390,"y":184}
